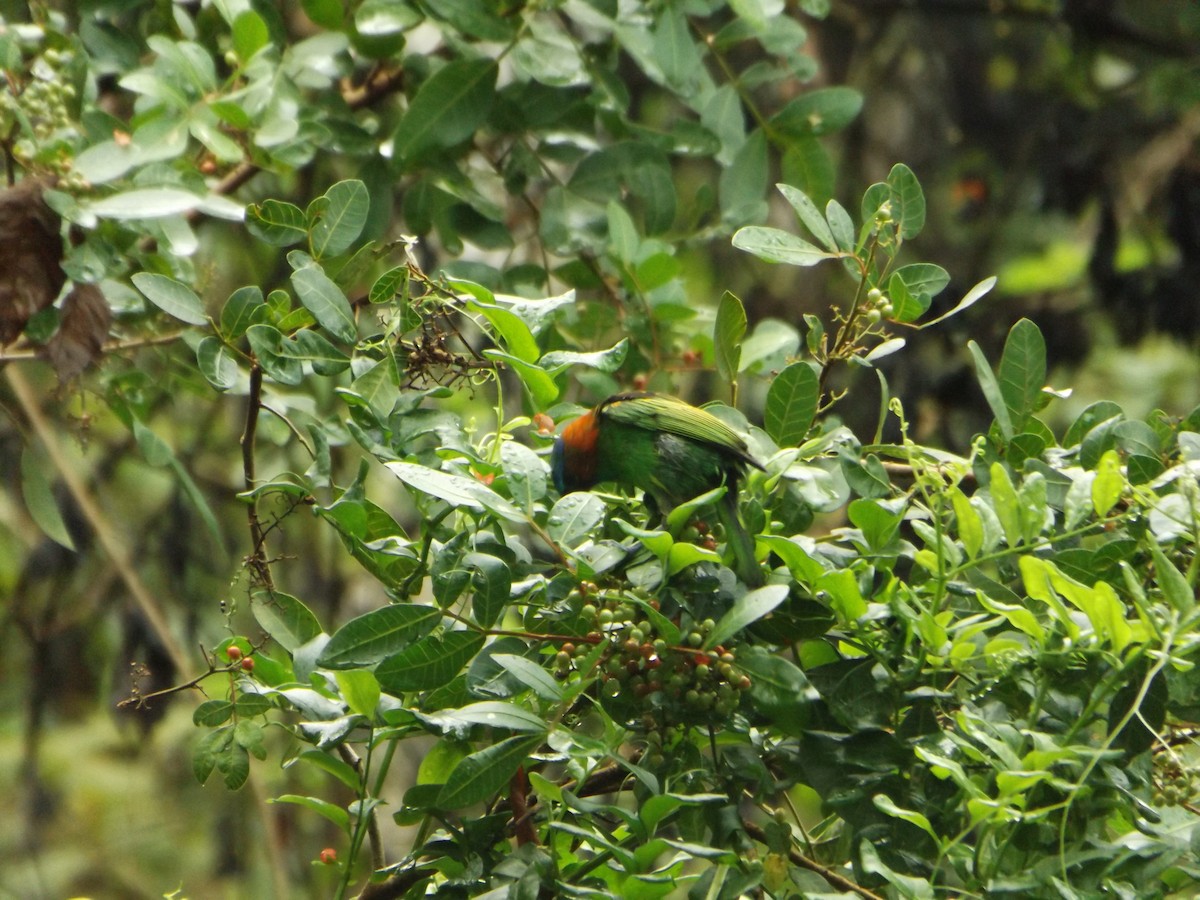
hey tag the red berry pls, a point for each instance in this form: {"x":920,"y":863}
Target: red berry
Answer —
{"x":234,"y":652}
{"x":248,"y":664}
{"x":701,"y":659}
{"x":543,"y":423}
{"x":640,"y":381}
{"x":329,"y":856}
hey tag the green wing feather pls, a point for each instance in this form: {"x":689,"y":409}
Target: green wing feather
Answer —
{"x":659,"y":412}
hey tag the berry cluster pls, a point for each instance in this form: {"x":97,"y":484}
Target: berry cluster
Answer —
{"x":42,"y":105}
{"x":1176,"y":783}
{"x":645,"y":680}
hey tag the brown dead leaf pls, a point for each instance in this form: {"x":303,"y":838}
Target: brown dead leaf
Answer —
{"x":30,"y":250}
{"x":81,"y":333}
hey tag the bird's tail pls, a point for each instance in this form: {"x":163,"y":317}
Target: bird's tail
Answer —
{"x":739,"y":541}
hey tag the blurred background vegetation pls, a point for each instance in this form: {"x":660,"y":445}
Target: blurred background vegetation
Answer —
{"x":1057,"y":144}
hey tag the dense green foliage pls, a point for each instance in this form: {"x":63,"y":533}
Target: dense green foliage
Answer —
{"x":971,"y":669}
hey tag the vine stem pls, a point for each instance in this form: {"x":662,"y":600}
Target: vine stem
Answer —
{"x":799,"y":859}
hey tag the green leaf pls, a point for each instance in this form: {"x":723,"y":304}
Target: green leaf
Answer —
{"x":360,"y":690}
{"x":517,"y":338}
{"x":455,"y":489}
{"x":845,"y":596}
{"x":39,"y":499}
{"x":1006,"y":503}
{"x":249,"y":34}
{"x":970,"y":526}
{"x":908,"y":306}
{"x":888,"y":807}
{"x":574,"y":518}
{"x":923,"y":278}
{"x":369,"y":638}
{"x":748,"y":608}
{"x":607,"y":361}
{"x":326,"y":302}
{"x":429,"y":663}
{"x":1046,"y":582}
{"x":234,"y":765}
{"x":818,"y":112}
{"x":267,"y":345}
{"x":1171,"y":582}
{"x":1022,"y":372}
{"x":623,"y":238}
{"x":778,"y":246}
{"x":675,"y":52}
{"x":728,"y":333}
{"x":533,"y":676}
{"x":779,"y":689}
{"x":810,"y":216}
{"x":384,"y":18}
{"x":969,"y":299}
{"x":277,"y":222}
{"x":525,"y":474}
{"x":792,"y":401}
{"x":379,"y":387}
{"x":212,"y":713}
{"x":334,"y":813}
{"x":172,"y":297}
{"x":145,"y":203}
{"x":447,"y":109}
{"x":908,"y":201}
{"x":340,"y":220}
{"x":313,"y":348}
{"x":389,"y":285}
{"x":878,"y":523}
{"x":807,"y":165}
{"x":492,"y":713}
{"x":1109,"y":483}
{"x":473,"y":18}
{"x":286,"y":619}
{"x":742,"y":186}
{"x":841,"y":225}
{"x":217,"y":363}
{"x":245,"y":307}
{"x":491,"y":582}
{"x":634,"y":166}
{"x":485,"y":772}
{"x":206,"y":751}
{"x":991,"y":391}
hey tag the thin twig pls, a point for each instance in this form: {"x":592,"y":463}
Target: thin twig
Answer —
{"x":258,"y":562}
{"x":106,"y":534}
{"x":799,"y":859}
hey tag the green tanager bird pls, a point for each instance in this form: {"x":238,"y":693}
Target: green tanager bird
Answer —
{"x":670,"y":449}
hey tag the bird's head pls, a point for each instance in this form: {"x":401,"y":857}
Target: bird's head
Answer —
{"x":573,"y":458}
